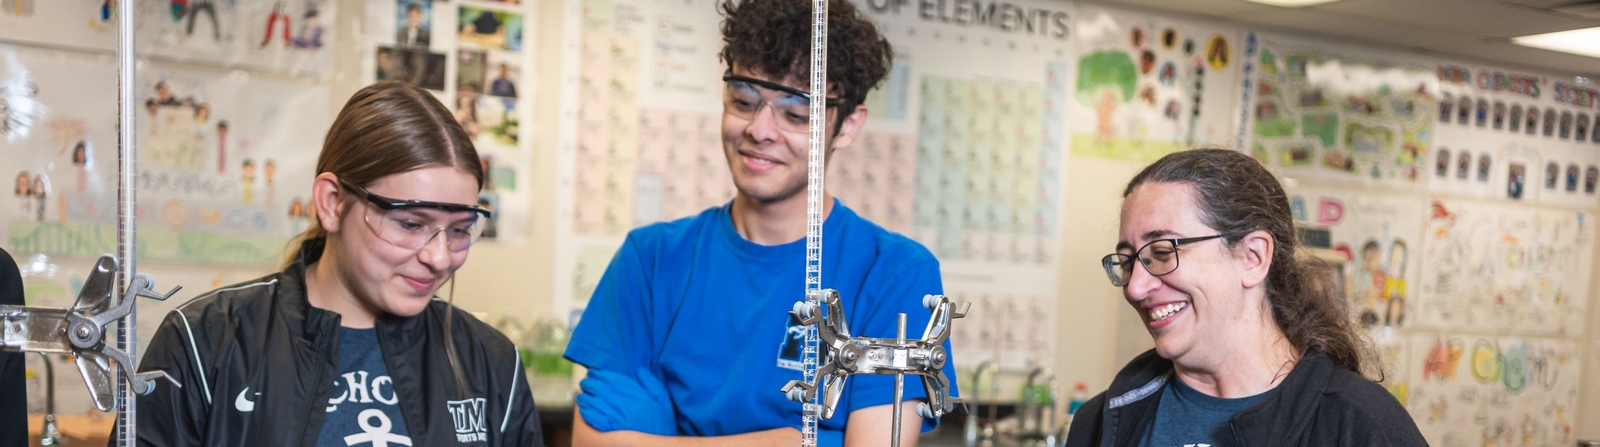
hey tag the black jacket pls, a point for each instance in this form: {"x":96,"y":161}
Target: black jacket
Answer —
{"x":13,"y":388}
{"x":257,"y":363}
{"x":1319,"y":404}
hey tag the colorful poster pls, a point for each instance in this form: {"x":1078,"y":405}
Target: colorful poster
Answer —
{"x":1379,"y":239}
{"x":1152,"y":85}
{"x":1317,"y":111}
{"x":1502,"y":268}
{"x":1494,"y":390}
{"x":292,"y":37}
{"x":1509,"y":135}
{"x":224,"y":162}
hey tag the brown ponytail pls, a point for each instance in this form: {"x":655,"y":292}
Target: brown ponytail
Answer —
{"x":389,"y":128}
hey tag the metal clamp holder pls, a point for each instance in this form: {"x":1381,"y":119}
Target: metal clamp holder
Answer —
{"x":844,"y":356}
{"x":81,"y":331}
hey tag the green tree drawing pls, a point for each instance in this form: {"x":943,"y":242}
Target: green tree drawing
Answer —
{"x":1106,"y":77}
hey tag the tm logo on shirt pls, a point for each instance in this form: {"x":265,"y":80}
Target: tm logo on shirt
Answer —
{"x":794,"y":340}
{"x":468,"y":415}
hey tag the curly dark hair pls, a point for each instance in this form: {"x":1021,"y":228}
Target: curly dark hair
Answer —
{"x":773,"y":37}
{"x":1237,"y":196}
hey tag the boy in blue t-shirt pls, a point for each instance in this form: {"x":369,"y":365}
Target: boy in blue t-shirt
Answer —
{"x":687,"y":336}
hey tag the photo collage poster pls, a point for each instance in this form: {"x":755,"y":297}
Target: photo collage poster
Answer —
{"x":473,"y":56}
{"x":1153,"y":85}
{"x":1339,"y":114}
{"x":1516,"y":136}
{"x":290,"y":37}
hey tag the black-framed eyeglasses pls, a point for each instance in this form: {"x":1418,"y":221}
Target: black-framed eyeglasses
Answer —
{"x":1159,"y":257}
{"x":744,"y":96}
{"x":401,"y":222}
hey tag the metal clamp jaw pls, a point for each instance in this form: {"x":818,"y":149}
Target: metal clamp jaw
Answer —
{"x":81,"y":331}
{"x":846,"y":355}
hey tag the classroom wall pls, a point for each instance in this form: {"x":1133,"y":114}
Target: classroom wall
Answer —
{"x":1097,"y":332}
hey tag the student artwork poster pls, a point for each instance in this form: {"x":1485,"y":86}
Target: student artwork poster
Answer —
{"x":1494,"y":390}
{"x":1505,"y":268}
{"x":1336,"y":113}
{"x":283,"y":36}
{"x":56,"y":146}
{"x":222,"y":160}
{"x":1379,"y":237}
{"x":1153,"y":85}
{"x":77,"y":24}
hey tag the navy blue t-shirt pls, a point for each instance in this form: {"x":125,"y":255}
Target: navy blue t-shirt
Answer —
{"x":707,"y":311}
{"x":1189,"y":418}
{"x":362,"y":407}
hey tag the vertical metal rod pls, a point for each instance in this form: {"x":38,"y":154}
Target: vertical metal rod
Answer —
{"x":899,"y":382}
{"x":814,"y":206}
{"x":127,"y":339}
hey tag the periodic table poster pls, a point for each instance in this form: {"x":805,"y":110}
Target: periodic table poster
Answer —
{"x":963,"y":149}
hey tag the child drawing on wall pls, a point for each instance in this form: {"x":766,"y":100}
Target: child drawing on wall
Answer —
{"x":80,"y":158}
{"x":1394,"y":289}
{"x":247,"y":178}
{"x":1367,"y":284}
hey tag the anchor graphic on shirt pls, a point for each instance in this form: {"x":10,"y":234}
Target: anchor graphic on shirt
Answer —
{"x":378,"y":435}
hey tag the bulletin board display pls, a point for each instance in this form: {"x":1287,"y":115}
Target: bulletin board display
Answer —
{"x":1335,"y":113}
{"x":1515,"y":136}
{"x":1487,"y":390}
{"x":280,"y":36}
{"x":1149,"y":85}
{"x":225,"y":160}
{"x":475,"y":57}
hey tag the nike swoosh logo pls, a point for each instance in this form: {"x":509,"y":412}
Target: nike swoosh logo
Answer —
{"x":242,"y":404}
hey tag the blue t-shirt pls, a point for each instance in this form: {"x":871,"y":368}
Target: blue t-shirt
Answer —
{"x":1189,"y":418}
{"x":362,"y":407}
{"x":708,"y":312}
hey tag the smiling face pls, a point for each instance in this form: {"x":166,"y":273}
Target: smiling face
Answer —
{"x":383,"y":276}
{"x":769,"y":164}
{"x":1191,"y":311}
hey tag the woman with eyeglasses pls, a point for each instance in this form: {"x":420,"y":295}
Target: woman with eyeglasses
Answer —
{"x":348,"y":345}
{"x":1251,"y":347}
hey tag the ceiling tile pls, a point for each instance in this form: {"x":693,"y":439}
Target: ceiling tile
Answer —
{"x":1211,"y":8}
{"x":1517,"y":55}
{"x":1359,"y":29}
{"x":1480,"y":17}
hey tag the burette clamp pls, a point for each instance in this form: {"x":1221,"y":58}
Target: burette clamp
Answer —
{"x":81,"y":332}
{"x":841,"y":355}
